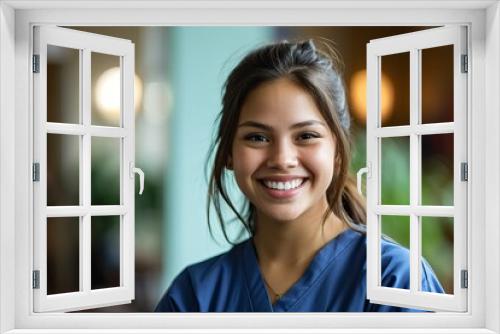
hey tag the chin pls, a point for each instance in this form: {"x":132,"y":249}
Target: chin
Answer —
{"x":283,"y":215}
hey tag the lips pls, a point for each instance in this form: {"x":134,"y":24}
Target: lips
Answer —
{"x":283,"y":187}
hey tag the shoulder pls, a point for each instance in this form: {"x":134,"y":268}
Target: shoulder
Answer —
{"x":189,"y":287}
{"x":395,"y":270}
{"x":395,"y":265}
{"x":394,"y":256}
{"x":225,"y":263}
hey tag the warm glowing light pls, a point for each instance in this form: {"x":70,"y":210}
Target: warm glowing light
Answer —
{"x":358,"y":96}
{"x":107,"y":92}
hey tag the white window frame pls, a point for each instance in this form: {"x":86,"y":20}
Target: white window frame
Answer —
{"x":16,"y":20}
{"x":413,"y":44}
{"x":86,"y":43}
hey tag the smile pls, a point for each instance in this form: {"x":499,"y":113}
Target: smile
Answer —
{"x":283,"y":189}
{"x":284,"y":186}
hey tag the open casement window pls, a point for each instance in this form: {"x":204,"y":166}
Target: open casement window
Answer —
{"x":76,"y":208}
{"x":415,"y":131}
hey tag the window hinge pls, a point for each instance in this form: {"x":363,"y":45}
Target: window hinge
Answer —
{"x":36,"y":172}
{"x":36,"y":279}
{"x":465,"y":66}
{"x":464,"y":171}
{"x":36,"y":63}
{"x":464,"y":279}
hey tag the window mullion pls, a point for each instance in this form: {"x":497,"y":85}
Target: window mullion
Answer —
{"x":80,"y":130}
{"x":420,"y":129}
{"x":418,"y":219}
{"x":85,"y":165}
{"x":415,"y":167}
{"x":419,"y":210}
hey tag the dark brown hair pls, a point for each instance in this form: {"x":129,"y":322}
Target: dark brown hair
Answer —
{"x":319,"y":75}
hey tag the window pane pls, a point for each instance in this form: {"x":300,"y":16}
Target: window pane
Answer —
{"x":105,"y":261}
{"x":105,"y":173}
{"x":63,"y":154}
{"x":395,"y":171}
{"x":63,"y":84}
{"x":395,"y":89}
{"x":395,"y":231}
{"x":437,"y":248}
{"x":437,"y":169}
{"x":437,"y":84}
{"x":106,"y":89}
{"x":63,"y":254}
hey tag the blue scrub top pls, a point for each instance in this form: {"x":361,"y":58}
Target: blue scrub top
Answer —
{"x":335,"y":281}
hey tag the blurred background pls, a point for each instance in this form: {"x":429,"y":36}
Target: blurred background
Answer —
{"x":179,"y":75}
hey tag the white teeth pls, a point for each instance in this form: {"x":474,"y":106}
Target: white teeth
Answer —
{"x":283,"y":185}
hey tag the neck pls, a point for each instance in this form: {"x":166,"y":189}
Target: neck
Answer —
{"x":294,"y":243}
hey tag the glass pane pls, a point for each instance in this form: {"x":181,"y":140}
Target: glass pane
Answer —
{"x":395,"y":89}
{"x":437,"y":84}
{"x":105,"y":261}
{"x":395,"y":231}
{"x":395,"y":171}
{"x":437,"y":248}
{"x":105,"y":175}
{"x":63,"y":182}
{"x":63,"y":85}
{"x":63,"y":255}
{"x":437,"y":169}
{"x":106,"y":89}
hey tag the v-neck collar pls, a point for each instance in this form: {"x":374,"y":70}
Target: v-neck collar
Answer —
{"x":259,"y":298}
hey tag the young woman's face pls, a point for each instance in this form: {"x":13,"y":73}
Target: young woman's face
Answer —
{"x":283,"y":152}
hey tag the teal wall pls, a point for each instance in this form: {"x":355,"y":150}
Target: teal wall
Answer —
{"x":200,"y":59}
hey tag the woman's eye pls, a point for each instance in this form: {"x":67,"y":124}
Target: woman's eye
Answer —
{"x":256,"y":138}
{"x":308,"y":136}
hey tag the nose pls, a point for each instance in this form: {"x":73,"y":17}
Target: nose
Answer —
{"x":282,"y":155}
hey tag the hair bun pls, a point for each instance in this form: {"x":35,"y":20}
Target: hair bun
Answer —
{"x":308,"y":45}
{"x":305,"y":52}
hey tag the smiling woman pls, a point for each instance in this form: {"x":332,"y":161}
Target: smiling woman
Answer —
{"x":284,"y":132}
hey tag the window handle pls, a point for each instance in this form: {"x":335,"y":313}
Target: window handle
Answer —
{"x":135,"y":170}
{"x":364,"y":170}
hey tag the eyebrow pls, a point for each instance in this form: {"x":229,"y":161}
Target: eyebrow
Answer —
{"x":268,"y":128}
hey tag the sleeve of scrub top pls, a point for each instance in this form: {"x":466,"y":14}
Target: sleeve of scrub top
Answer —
{"x":179,"y":297}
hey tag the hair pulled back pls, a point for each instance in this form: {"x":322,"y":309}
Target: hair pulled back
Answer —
{"x":318,"y":74}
